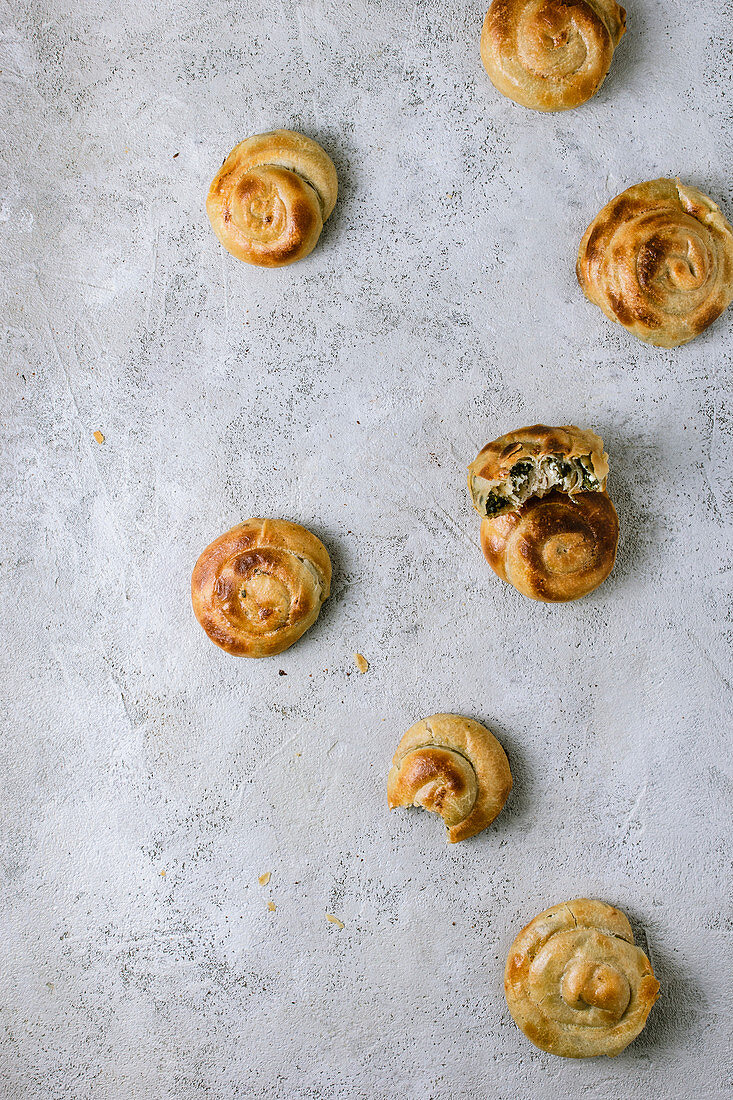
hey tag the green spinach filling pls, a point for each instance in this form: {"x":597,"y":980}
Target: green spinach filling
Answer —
{"x":536,"y":477}
{"x":494,"y":503}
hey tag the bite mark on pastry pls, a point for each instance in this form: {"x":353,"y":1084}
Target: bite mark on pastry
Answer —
{"x":452,"y":766}
{"x":549,"y":527}
{"x":531,"y":462}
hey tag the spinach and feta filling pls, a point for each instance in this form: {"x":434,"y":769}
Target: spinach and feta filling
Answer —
{"x":534,"y":477}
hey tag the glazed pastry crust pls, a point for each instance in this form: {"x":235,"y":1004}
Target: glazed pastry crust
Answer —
{"x":452,"y":766}
{"x":658,"y":259}
{"x":575,"y":982}
{"x":494,"y":463}
{"x":550,"y":55}
{"x":554,"y":548}
{"x":258,"y":587}
{"x":270,"y":198}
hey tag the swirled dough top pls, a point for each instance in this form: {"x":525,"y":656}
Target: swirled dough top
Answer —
{"x":533,"y":461}
{"x":454,"y":767}
{"x":258,"y":587}
{"x":550,"y":54}
{"x":575,"y":982}
{"x":554,"y":548}
{"x":659,"y":260}
{"x":271,"y":196}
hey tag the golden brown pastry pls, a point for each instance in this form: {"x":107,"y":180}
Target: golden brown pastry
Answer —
{"x":659,"y":260}
{"x":575,"y":982}
{"x":454,"y":767}
{"x":549,"y":526}
{"x":550,"y":54}
{"x":271,"y":196}
{"x":533,"y":461}
{"x":554,"y":548}
{"x":257,"y":588}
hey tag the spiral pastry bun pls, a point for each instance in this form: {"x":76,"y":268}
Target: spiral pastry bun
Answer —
{"x":659,"y":260}
{"x":271,"y":196}
{"x":575,"y":982}
{"x":454,"y":767}
{"x":554,"y":548}
{"x":533,"y":461}
{"x":550,"y":54}
{"x":257,"y":588}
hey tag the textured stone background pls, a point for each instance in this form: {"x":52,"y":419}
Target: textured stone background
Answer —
{"x":148,"y":778}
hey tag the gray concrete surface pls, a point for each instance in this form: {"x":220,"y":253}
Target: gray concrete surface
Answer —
{"x":147,"y":777}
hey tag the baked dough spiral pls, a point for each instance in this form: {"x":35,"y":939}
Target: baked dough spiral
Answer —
{"x":554,"y":548}
{"x":659,"y":260}
{"x":258,"y":587}
{"x":575,"y":982}
{"x":271,"y":196}
{"x":550,"y":54}
{"x":454,"y":767}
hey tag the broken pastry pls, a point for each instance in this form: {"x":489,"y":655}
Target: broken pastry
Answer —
{"x":454,"y":767}
{"x":530,"y":462}
{"x":270,"y":198}
{"x":258,"y":587}
{"x":575,"y":982}
{"x":658,"y":259}
{"x":549,"y":527}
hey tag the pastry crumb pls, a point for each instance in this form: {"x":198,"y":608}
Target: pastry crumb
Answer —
{"x":98,"y":436}
{"x":361,"y":662}
{"x":264,"y":879}
{"x":334,"y":920}
{"x":271,"y":906}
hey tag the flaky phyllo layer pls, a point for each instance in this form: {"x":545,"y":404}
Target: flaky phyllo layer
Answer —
{"x":534,"y":477}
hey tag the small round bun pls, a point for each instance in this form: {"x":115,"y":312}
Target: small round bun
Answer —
{"x":659,"y":260}
{"x":257,"y":588}
{"x":271,"y":196}
{"x":575,"y":982}
{"x":454,"y":767}
{"x":554,"y":548}
{"x":550,"y":55}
